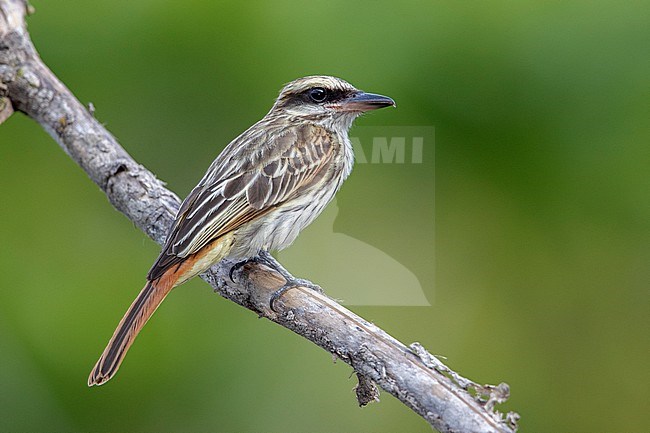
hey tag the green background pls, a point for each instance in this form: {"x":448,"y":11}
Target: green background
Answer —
{"x":538,"y":274}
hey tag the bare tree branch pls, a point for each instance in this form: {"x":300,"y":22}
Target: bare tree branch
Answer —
{"x":447,"y":401}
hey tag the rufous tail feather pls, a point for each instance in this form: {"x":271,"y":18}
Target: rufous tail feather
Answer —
{"x":139,"y":312}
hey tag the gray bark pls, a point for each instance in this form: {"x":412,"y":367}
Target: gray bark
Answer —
{"x":447,"y":401}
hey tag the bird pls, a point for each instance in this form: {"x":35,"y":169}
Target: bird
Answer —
{"x":257,"y":195}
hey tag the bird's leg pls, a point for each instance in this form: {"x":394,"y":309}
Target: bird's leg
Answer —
{"x":264,"y":257}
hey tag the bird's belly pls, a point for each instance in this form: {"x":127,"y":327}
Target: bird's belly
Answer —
{"x":282,"y":225}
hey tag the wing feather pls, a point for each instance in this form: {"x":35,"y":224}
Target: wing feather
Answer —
{"x":253,"y":175}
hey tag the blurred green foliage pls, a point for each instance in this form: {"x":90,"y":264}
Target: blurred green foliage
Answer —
{"x":542,"y":211}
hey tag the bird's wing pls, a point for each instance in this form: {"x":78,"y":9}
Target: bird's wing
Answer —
{"x":243,"y":183}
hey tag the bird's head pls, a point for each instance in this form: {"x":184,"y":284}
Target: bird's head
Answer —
{"x":326,"y":100}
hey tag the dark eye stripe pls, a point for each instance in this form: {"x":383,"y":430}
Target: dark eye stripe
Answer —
{"x":332,"y":95}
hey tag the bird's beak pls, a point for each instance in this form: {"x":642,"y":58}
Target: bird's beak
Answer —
{"x":365,"y":102}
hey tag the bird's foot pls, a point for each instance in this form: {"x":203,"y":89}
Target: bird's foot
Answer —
{"x":292,"y":283}
{"x":265,"y":258}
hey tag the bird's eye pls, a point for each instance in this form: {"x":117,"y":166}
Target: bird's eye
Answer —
{"x":318,"y":94}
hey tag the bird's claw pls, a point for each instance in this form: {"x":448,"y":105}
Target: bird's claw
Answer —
{"x":238,"y":266}
{"x":292,"y":283}
{"x":264,"y":258}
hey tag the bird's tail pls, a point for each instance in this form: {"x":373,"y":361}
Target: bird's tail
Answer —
{"x":139,"y":312}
